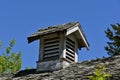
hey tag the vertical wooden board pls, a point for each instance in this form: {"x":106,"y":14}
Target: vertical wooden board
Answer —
{"x":62,"y":45}
{"x":41,"y":49}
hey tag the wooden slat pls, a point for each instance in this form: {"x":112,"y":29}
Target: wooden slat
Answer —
{"x":70,"y":48}
{"x":71,"y":54}
{"x":51,"y":38}
{"x":70,"y":40}
{"x":68,"y":57}
{"x":53,"y":47}
{"x":73,"y":45}
{"x":51,"y":55}
{"x":52,"y":51}
{"x":49,"y":45}
{"x":51,"y":41}
{"x":51,"y":58}
{"x":70,"y":44}
{"x":69,"y":60}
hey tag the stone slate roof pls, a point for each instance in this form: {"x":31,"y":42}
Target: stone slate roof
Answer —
{"x":62,"y":27}
{"x":76,"y":71}
{"x":52,"y":29}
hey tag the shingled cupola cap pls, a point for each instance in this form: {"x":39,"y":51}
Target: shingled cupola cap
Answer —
{"x":71,"y":27}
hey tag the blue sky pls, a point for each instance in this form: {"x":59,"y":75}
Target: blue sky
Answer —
{"x":21,"y":18}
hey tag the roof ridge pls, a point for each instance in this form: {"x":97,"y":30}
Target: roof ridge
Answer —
{"x":58,"y":25}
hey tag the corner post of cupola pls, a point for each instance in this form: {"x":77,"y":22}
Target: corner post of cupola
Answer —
{"x":41,"y":49}
{"x":62,"y":45}
{"x":76,"y":51}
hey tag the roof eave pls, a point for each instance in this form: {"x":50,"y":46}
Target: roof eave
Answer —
{"x":78,"y":30}
{"x":86,"y":44}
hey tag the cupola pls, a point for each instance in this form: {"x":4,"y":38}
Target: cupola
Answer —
{"x":59,"y":45}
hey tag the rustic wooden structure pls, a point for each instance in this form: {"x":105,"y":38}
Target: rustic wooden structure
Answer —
{"x":59,"y":45}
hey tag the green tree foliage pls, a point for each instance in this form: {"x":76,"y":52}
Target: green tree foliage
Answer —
{"x":113,"y":47}
{"x":100,"y":73}
{"x":10,"y":61}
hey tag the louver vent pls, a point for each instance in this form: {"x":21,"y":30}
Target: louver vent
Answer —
{"x":70,"y":50}
{"x":51,"y":48}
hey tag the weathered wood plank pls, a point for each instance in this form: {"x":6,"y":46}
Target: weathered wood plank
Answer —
{"x":71,"y":54}
{"x":48,"y":52}
{"x":50,"y":45}
{"x":50,"y":48}
{"x":51,"y":55}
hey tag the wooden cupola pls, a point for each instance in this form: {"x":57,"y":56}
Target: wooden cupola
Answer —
{"x":59,"y":45}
